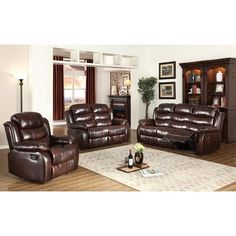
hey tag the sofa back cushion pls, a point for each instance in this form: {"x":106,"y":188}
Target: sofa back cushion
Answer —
{"x":102,"y":114}
{"x":82,"y":114}
{"x":162,"y":114}
{"x":203,"y":116}
{"x":182,"y":116}
{"x":30,"y":126}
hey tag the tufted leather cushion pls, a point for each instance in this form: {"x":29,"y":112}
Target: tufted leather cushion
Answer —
{"x":62,"y":153}
{"x":30,"y":126}
{"x":82,"y":114}
{"x":98,"y":132}
{"x":163,"y":114}
{"x":102,"y":114}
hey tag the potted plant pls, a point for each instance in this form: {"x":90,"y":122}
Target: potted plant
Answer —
{"x":146,"y":88}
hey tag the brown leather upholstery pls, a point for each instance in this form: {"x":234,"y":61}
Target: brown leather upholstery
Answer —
{"x":198,"y":127}
{"x":35,"y":154}
{"x":92,"y":126}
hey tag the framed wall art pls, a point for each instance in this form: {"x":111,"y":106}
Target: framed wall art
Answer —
{"x":167,"y":90}
{"x":167,"y":70}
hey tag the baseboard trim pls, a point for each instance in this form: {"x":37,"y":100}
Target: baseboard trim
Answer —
{"x":4,"y":147}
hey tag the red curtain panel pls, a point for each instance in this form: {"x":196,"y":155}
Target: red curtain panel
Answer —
{"x":90,"y":84}
{"x":58,"y":90}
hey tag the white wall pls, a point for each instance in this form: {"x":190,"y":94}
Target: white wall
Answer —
{"x":13,"y":65}
{"x":41,"y":81}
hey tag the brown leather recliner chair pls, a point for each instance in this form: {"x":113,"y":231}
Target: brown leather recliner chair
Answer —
{"x":92,"y":126}
{"x":35,"y":154}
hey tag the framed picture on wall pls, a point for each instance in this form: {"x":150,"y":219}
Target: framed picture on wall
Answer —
{"x":167,"y":90}
{"x":167,"y":70}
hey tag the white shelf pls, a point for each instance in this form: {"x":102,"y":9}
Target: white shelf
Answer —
{"x":100,"y":59}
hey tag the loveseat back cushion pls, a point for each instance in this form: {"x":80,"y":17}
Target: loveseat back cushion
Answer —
{"x":30,"y":126}
{"x":102,"y":114}
{"x":162,"y":114}
{"x":82,"y":114}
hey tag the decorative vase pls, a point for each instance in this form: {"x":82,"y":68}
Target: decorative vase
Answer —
{"x":138,"y":156}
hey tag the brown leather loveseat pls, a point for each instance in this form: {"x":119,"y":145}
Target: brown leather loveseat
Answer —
{"x":35,"y":154}
{"x":92,"y":126}
{"x":197,"y":127}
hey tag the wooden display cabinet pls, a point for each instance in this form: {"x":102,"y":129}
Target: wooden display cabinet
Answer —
{"x":213,"y":82}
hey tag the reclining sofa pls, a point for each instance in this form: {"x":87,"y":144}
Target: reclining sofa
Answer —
{"x":185,"y":125}
{"x":92,"y":126}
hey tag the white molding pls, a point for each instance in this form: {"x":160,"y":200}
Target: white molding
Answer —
{"x":72,"y":63}
{"x":4,"y":147}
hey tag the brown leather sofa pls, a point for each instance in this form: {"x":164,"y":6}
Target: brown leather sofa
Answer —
{"x":35,"y":154}
{"x":92,"y":126}
{"x":185,"y":125}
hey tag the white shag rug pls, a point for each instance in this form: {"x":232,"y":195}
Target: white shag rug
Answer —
{"x":179,"y":172}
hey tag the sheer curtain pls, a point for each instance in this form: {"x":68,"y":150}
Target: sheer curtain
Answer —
{"x":58,"y":90}
{"x":90,"y":84}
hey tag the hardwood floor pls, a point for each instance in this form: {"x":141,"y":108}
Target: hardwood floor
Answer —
{"x":86,"y":180}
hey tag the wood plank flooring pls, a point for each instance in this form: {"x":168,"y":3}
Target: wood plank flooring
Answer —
{"x":86,"y":180}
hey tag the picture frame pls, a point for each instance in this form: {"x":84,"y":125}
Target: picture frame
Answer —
{"x":219,"y":88}
{"x":167,"y":90}
{"x":167,"y":70}
{"x":123,"y":91}
{"x":216,"y":101}
{"x":126,"y":79}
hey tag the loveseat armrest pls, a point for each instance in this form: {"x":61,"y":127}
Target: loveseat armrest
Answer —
{"x":77,"y":126}
{"x":65,"y":139}
{"x":116,"y":121}
{"x":148,"y":122}
{"x":30,"y":146}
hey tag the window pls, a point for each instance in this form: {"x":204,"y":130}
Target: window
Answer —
{"x":74,"y":85}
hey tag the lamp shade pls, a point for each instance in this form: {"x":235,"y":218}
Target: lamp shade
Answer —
{"x":127,"y":82}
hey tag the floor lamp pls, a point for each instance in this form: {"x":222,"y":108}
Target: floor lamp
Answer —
{"x":21,"y":95}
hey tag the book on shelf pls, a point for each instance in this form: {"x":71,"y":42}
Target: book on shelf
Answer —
{"x":149,"y":172}
{"x":223,"y":101}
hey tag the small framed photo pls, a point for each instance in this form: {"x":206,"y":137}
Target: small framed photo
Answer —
{"x":167,"y":90}
{"x":126,"y":79}
{"x":167,"y":70}
{"x":219,"y":88}
{"x":216,"y":101}
{"x":123,"y":91}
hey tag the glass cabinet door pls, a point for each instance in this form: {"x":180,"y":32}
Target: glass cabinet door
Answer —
{"x":193,"y":89}
{"x":216,"y":89}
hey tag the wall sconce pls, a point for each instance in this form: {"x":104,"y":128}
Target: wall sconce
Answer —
{"x":21,"y":94}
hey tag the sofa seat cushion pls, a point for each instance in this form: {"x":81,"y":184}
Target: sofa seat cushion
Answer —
{"x":155,"y":131}
{"x":180,"y":135}
{"x":97,"y":132}
{"x":116,"y":130}
{"x":62,"y":153}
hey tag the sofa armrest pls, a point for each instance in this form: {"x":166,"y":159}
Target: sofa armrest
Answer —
{"x":116,"y":121}
{"x":208,"y":130}
{"x":28,"y":146}
{"x":208,"y":141}
{"x":65,"y":139}
{"x":148,"y":122}
{"x":77,"y":126}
